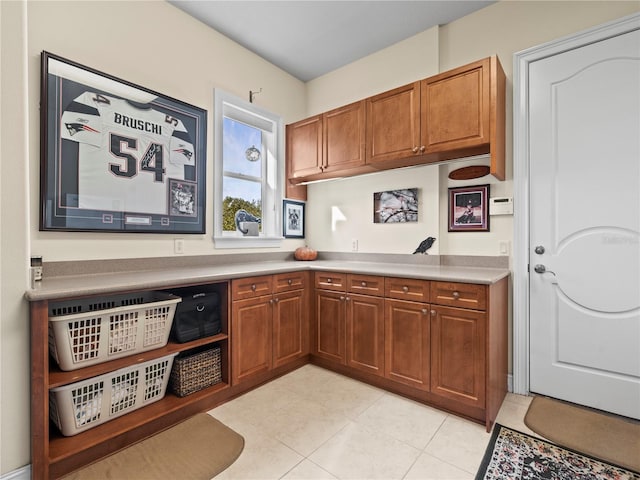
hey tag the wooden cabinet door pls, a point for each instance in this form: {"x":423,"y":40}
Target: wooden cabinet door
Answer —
{"x":344,"y":132}
{"x":304,"y":147}
{"x":251,"y":337}
{"x":393,"y":124}
{"x":290,"y":326}
{"x":458,"y":355}
{"x":365,"y":333}
{"x":330,"y":326}
{"x":407,"y":340}
{"x":456,"y":109}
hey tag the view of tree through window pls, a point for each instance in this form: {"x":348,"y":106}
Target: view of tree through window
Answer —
{"x":242,"y":173}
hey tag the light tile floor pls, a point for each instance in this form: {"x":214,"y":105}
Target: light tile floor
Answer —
{"x":316,"y":424}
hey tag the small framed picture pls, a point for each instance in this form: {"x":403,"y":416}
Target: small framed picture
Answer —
{"x":293,"y":219}
{"x":395,"y":206}
{"x":468,"y":209}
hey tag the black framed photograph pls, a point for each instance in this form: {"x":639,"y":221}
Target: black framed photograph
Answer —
{"x":117,"y":157}
{"x":468,"y":209}
{"x":395,"y":206}
{"x":293,"y":219}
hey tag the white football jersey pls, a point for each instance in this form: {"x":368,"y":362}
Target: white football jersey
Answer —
{"x":126,"y":153}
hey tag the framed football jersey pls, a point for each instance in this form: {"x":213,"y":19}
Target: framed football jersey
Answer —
{"x":118,"y":157}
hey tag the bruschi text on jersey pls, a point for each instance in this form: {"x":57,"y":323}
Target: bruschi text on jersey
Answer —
{"x":126,"y":153}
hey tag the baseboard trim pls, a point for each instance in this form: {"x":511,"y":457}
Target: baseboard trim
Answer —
{"x":23,"y":473}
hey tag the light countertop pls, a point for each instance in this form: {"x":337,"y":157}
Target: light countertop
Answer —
{"x":55,"y":287}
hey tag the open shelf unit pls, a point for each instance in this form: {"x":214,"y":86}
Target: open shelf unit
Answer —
{"x":53,"y":454}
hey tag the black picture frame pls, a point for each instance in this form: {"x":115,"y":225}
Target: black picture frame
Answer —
{"x":469,"y":209}
{"x":118,"y":157}
{"x":293,"y":219}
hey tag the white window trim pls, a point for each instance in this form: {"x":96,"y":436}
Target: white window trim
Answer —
{"x":267,"y":239}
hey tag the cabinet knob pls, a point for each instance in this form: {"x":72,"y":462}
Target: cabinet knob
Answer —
{"x":253,"y":287}
{"x":422,"y":149}
{"x":415,"y":149}
{"x":405,"y":289}
{"x":348,"y":299}
{"x":425,"y":311}
{"x":341,"y":298}
{"x":276,"y":300}
{"x":328,"y":280}
{"x":455,"y":295}
{"x":364,"y":284}
{"x":290,"y":282}
{"x":433,"y":313}
{"x":271,"y":301}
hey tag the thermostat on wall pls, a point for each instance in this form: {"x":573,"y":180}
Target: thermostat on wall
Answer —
{"x":501,"y":206}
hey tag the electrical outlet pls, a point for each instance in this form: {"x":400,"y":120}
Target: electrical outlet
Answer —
{"x":504,"y":248}
{"x":354,"y":245}
{"x":178,"y":246}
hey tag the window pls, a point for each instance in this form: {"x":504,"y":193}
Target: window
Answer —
{"x":247,"y":174}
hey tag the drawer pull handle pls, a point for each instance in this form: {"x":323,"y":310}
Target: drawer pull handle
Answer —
{"x":405,"y":289}
{"x":253,"y":287}
{"x":455,"y":295}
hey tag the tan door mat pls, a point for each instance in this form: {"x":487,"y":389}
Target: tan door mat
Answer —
{"x":607,"y":437}
{"x":197,"y":449}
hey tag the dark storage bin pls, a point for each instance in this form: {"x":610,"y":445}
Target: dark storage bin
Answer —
{"x":197,"y":316}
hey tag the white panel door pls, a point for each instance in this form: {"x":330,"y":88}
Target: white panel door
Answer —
{"x":584,"y":160}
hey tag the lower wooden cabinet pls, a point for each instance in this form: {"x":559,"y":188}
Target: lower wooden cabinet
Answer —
{"x":444,"y":343}
{"x":290,"y":327}
{"x":268,"y":330}
{"x":251,"y":340}
{"x":458,"y":355}
{"x":330,"y":319}
{"x":365,"y":333}
{"x":407,"y":343}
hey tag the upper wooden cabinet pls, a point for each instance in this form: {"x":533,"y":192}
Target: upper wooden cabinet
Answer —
{"x":393,"y":124}
{"x":463,"y":112}
{"x":455,"y":114}
{"x":327,"y":145}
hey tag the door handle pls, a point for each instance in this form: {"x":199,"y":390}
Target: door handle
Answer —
{"x":539,"y":268}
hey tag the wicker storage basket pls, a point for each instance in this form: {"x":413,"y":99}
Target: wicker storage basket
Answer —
{"x":80,"y":406}
{"x":93,"y":330}
{"x":195,"y":371}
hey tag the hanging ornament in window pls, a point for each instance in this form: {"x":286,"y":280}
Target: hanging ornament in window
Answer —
{"x":252,"y":154}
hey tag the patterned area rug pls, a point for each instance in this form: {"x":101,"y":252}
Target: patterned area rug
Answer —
{"x":513,"y":455}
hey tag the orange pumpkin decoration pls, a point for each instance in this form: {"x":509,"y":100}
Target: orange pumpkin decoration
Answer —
{"x":305,"y":253}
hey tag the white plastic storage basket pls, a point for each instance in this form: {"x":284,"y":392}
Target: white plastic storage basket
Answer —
{"x":87,"y":331}
{"x":80,"y":406}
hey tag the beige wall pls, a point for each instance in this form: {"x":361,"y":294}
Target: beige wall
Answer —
{"x":129,"y":40}
{"x":117,"y":37}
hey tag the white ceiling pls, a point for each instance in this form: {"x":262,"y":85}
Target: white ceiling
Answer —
{"x":309,"y":38}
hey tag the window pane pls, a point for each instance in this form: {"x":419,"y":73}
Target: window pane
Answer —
{"x":237,"y":138}
{"x":239,"y":194}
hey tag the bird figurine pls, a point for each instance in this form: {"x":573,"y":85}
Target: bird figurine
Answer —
{"x":425,"y":245}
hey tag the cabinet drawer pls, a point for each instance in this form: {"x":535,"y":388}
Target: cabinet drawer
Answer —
{"x":285,"y":282}
{"x":331,"y":281}
{"x":366,"y":284}
{"x":407,"y":289}
{"x":251,"y":287}
{"x":463,"y":295}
